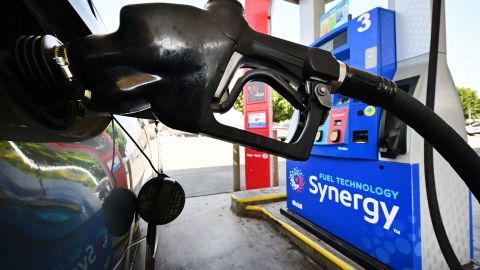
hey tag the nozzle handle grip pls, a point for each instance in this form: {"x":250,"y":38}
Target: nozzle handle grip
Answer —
{"x":297,"y":150}
{"x":301,"y":61}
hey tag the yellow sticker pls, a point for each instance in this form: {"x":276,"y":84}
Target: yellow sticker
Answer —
{"x":369,"y":111}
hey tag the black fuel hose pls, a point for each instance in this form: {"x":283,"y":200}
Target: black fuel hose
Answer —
{"x":430,"y":185}
{"x":378,"y":91}
{"x":452,"y":147}
{"x":464,"y":160}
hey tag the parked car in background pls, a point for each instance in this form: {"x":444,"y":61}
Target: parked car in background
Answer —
{"x":473,"y":129}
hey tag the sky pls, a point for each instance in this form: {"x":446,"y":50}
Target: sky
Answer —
{"x":463,"y":38}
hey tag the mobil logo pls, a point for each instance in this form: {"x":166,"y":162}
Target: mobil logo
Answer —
{"x":296,"y":180}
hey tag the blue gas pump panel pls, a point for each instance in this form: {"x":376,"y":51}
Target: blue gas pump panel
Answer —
{"x":368,"y":43}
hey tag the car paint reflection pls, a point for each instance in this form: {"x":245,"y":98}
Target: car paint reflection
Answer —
{"x":51,"y":202}
{"x":44,"y":168}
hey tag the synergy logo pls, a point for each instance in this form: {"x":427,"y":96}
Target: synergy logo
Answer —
{"x":373,"y":209}
{"x":297,"y":181}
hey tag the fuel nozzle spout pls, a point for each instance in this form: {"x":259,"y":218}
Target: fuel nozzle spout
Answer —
{"x":42,"y":60}
{"x":44,"y":67}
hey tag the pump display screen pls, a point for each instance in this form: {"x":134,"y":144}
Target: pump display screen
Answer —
{"x":337,"y":123}
{"x":336,"y":42}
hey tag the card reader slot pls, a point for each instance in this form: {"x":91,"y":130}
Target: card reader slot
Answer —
{"x":360,"y":136}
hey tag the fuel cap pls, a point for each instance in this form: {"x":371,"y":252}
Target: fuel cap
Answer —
{"x":160,"y":200}
{"x":119,"y":210}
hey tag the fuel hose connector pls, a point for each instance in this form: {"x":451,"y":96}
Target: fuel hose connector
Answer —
{"x":366,"y":87}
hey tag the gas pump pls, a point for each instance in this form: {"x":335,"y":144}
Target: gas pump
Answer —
{"x":175,"y":63}
{"x":363,"y":189}
{"x":258,"y":105}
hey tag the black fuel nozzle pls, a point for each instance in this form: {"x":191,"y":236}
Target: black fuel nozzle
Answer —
{"x":179,"y":61}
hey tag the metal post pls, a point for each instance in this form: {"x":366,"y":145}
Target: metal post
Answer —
{"x":275,"y":163}
{"x":130,"y":174}
{"x":151,"y":246}
{"x":236,"y":167}
{"x":310,"y":12}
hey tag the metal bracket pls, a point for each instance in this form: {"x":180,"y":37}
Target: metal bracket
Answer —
{"x":321,"y":92}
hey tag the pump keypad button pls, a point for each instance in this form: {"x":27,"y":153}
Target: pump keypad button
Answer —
{"x":319,"y":136}
{"x":335,"y":135}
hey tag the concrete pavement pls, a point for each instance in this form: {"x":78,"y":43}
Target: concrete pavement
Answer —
{"x":208,"y":236}
{"x":214,"y":180}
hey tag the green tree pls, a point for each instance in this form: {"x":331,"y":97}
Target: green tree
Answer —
{"x":282,"y":110}
{"x":120,"y":140}
{"x":470,"y":102}
{"x":238,"y":105}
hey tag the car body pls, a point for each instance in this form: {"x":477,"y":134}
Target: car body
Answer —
{"x":473,"y":128}
{"x":53,"y":186}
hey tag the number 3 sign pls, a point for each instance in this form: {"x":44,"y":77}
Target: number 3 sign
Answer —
{"x":364,"y":19}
